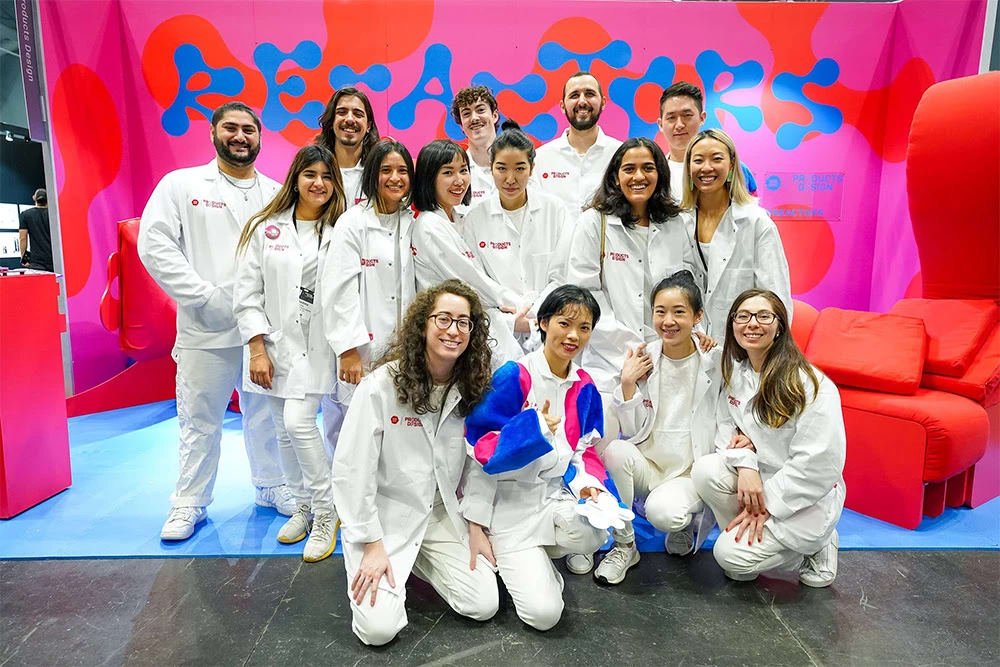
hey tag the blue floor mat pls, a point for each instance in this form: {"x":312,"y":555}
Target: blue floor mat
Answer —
{"x":125,"y":464}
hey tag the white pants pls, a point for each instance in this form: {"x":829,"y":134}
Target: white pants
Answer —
{"x":716,"y":484}
{"x":670,"y":503}
{"x":532,"y":580}
{"x":205,"y":381}
{"x":303,"y":459}
{"x":443,"y":562}
{"x":334,"y":410}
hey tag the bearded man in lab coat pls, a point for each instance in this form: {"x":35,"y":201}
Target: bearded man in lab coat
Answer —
{"x":187,"y":241}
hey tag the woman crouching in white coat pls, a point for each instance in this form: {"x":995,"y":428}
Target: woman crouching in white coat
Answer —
{"x":282,"y":251}
{"x":371,"y":284}
{"x":666,"y":406}
{"x":533,"y":435}
{"x":398,"y":468}
{"x":732,"y":243}
{"x":776,"y":482}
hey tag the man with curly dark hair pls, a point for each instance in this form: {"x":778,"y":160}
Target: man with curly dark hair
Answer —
{"x":475,"y":109}
{"x":401,"y":459}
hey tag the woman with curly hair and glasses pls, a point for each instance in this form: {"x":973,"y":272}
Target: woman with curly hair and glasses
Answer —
{"x":400,"y":462}
{"x":775,"y":484}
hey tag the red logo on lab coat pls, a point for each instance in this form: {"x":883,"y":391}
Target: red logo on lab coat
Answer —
{"x":482,"y":244}
{"x":272,"y":232}
{"x":648,"y":403}
{"x":733,"y":401}
{"x":369,"y":262}
{"x":413,"y":250}
{"x":545,"y":174}
{"x":619,"y":256}
{"x":194,"y":202}
{"x":395,"y":419}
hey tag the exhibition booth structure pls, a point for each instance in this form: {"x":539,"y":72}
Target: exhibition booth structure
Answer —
{"x":894,"y":256}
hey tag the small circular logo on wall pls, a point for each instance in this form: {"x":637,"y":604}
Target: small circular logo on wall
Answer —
{"x":194,"y":202}
{"x":482,"y":244}
{"x":272,"y":232}
{"x":773,"y":182}
{"x":395,"y":419}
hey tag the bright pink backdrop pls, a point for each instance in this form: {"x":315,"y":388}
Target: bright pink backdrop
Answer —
{"x":813,"y":93}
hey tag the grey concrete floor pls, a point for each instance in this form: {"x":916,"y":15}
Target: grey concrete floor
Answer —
{"x":886,"y":608}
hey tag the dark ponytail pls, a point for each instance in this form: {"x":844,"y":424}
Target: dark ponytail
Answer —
{"x":512,"y":136}
{"x":684,"y":281}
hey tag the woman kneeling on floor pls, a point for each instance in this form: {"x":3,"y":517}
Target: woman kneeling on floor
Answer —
{"x":534,"y":434}
{"x":776,"y":482}
{"x":666,"y":407}
{"x":399,"y":463}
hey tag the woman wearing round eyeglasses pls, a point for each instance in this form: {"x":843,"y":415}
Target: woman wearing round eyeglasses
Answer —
{"x":775,"y":483}
{"x":399,"y":463}
{"x":733,"y":243}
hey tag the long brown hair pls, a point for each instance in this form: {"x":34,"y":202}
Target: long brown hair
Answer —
{"x":327,"y":138}
{"x":471,"y":373}
{"x":781,"y":395}
{"x":288,"y":196}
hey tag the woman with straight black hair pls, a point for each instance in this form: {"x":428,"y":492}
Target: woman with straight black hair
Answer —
{"x":521,"y":232}
{"x":666,"y":407}
{"x":440,"y":186}
{"x":372,"y":282}
{"x":532,"y":441}
{"x":776,"y":479}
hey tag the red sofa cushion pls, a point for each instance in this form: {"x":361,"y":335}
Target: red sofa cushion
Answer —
{"x":875,"y":351}
{"x":956,"y":329}
{"x":803,"y":320}
{"x":981,"y":382}
{"x":957,"y":429}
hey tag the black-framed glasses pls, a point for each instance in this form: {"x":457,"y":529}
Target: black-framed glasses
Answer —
{"x":443,"y":322}
{"x":762,"y":316}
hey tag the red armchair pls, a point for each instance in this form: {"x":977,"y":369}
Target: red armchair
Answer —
{"x":920,"y":386}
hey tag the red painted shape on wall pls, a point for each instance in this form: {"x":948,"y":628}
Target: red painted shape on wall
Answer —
{"x":809,"y":247}
{"x":86,"y":125}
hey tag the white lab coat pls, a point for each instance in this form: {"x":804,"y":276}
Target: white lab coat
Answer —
{"x":388,"y":465}
{"x":524,"y":498}
{"x":801,"y":463}
{"x":363,"y":282}
{"x":572,"y":177}
{"x":638,"y":414}
{"x":266,"y":301}
{"x":440,"y":253}
{"x":746,"y":252}
{"x":187,"y":241}
{"x":530,"y":263}
{"x":621,"y":294}
{"x":350,"y":177}
{"x":481,"y":185}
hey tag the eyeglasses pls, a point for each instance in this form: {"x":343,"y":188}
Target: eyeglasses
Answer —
{"x":762,"y":316}
{"x":443,"y":322}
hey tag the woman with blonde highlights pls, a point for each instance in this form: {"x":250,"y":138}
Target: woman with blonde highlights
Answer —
{"x":733,"y":244}
{"x":282,"y":251}
{"x":401,"y":461}
{"x":776,"y":477}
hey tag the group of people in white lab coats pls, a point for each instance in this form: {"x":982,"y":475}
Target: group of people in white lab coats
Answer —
{"x":492,"y":373}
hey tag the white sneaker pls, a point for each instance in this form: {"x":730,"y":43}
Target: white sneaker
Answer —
{"x":616,"y":564}
{"x":296,"y":527}
{"x":279,"y":497}
{"x":820,"y":569}
{"x":680,"y":543}
{"x":580,"y":563}
{"x":323,"y":537}
{"x":181,"y":522}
